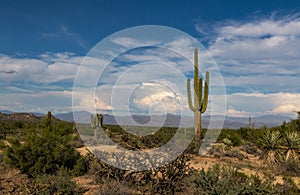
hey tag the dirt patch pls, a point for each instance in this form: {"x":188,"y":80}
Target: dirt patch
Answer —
{"x":251,"y":165}
{"x":12,"y":181}
{"x":83,"y":151}
{"x":86,"y":182}
{"x":202,"y":162}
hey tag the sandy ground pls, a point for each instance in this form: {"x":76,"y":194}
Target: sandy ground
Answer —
{"x":250,"y":166}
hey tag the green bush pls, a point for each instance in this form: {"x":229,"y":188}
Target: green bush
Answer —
{"x":81,"y":166}
{"x":228,"y":180}
{"x":44,"y":150}
{"x":232,"y":135}
{"x":59,"y":183}
{"x":249,"y":135}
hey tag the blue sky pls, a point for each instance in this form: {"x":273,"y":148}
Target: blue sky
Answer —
{"x":254,"y":43}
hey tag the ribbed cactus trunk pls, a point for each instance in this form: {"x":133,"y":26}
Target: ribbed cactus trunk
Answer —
{"x":200,"y":103}
{"x":198,"y":126}
{"x":197,"y":113}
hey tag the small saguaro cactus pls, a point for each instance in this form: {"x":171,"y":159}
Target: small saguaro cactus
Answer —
{"x":200,"y":99}
{"x":100,"y":119}
{"x":48,"y":120}
{"x":96,"y":121}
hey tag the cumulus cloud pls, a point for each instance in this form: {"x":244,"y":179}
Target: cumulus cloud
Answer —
{"x":260,"y":59}
{"x":237,"y":113}
{"x":260,"y":54}
{"x":286,"y":25}
{"x":156,"y":97}
{"x":46,"y":69}
{"x":90,"y":104}
{"x":251,"y":104}
{"x":287,"y":108}
{"x":55,"y":101}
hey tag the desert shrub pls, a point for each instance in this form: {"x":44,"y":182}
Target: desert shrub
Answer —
{"x":250,"y":135}
{"x":133,"y":142}
{"x":228,"y":180}
{"x":44,"y":150}
{"x":227,"y":142}
{"x":166,"y":179}
{"x":10,"y":128}
{"x":18,"y":124}
{"x":288,"y":186}
{"x":269,"y":142}
{"x":231,"y":135}
{"x":250,"y":149}
{"x":77,"y":142}
{"x":1,"y":157}
{"x":104,"y":172}
{"x":81,"y":166}
{"x":280,"y":145}
{"x":219,"y":150}
{"x":2,"y":145}
{"x":235,"y":153}
{"x":292,"y":167}
{"x":59,"y":183}
{"x":115,"y":188}
{"x":291,"y":141}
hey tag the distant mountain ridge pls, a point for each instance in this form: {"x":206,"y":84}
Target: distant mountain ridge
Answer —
{"x":169,"y":120}
{"x":9,"y":116}
{"x":173,"y":120}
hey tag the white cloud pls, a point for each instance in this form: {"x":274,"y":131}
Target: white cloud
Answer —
{"x":258,"y":55}
{"x":44,"y":70}
{"x":287,"y":108}
{"x":256,"y":63}
{"x":288,"y":25}
{"x":90,"y":104}
{"x":117,"y":82}
{"x":262,"y":104}
{"x":157,"y":97}
{"x":130,"y":42}
{"x":64,"y":32}
{"x":236,"y":113}
{"x":183,"y":46}
{"x":55,"y":101}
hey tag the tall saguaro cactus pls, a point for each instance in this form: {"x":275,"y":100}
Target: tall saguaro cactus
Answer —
{"x":200,"y":99}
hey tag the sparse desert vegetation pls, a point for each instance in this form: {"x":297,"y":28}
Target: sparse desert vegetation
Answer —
{"x":43,"y":155}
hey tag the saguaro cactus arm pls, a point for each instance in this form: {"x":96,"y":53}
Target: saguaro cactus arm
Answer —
{"x":198,"y":96}
{"x":101,"y":119}
{"x":190,"y":102}
{"x":204,"y":102}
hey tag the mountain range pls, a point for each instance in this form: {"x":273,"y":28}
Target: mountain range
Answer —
{"x":170,"y":120}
